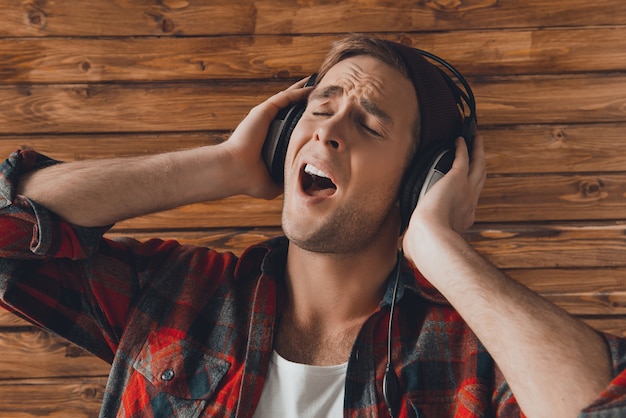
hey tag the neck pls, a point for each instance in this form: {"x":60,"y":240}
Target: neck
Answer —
{"x":330,"y":297}
{"x":337,"y":288}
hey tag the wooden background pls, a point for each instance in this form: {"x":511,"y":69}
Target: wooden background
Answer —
{"x":101,"y":78}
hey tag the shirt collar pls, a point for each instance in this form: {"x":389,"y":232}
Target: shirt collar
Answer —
{"x":271,"y":256}
{"x":412,"y":284}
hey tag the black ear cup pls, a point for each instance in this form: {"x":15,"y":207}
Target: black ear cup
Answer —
{"x":428,"y":168}
{"x":277,"y":140}
{"x":278,"y":135}
{"x":421,"y":169}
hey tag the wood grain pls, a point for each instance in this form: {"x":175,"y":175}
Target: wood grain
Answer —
{"x":52,"y":398}
{"x":549,"y":245}
{"x":552,"y":197}
{"x":48,"y":356}
{"x":220,"y":17}
{"x":106,"y":18}
{"x":514,"y":52}
{"x":581,"y":291}
{"x":611,"y":325}
{"x":573,"y":148}
{"x":215,"y":106}
{"x":77,"y":147}
{"x":7,"y":319}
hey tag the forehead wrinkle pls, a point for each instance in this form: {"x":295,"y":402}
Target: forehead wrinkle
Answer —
{"x":368,"y":105}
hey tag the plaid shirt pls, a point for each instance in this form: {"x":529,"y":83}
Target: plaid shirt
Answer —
{"x":189,"y":331}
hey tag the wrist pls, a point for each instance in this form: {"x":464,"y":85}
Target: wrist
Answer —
{"x":209,"y":173}
{"x":427,"y":244}
{"x":248,"y":174}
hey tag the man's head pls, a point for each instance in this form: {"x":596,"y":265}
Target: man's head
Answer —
{"x":348,"y":153}
{"x":438,"y":120}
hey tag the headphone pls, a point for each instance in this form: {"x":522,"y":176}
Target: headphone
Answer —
{"x":423,"y":171}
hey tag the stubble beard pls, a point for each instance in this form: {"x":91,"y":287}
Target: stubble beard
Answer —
{"x":348,"y":231}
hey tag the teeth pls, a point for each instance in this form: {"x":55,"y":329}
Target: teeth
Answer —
{"x":309,"y":169}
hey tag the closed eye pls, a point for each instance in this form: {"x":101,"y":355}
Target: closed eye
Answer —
{"x":363,"y":125}
{"x":371,"y":131}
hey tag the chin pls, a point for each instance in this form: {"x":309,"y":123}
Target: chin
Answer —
{"x":329,"y":237}
{"x":341,"y":229}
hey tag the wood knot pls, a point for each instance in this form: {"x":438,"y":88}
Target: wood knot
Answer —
{"x":84,"y":91}
{"x":445,"y":5}
{"x":24,"y":90}
{"x":90,"y":392}
{"x":460,"y":5}
{"x":167,"y":26}
{"x":37,"y":18}
{"x":559,"y":133}
{"x":591,"y":188}
{"x":85,"y":66}
{"x":282,"y":74}
{"x":175,"y":4}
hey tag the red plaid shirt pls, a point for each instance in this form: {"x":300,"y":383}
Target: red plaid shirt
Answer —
{"x":189,"y":331}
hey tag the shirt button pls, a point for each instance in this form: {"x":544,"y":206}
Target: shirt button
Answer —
{"x":167,"y":375}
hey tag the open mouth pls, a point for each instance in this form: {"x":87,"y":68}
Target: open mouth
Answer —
{"x":317,"y":183}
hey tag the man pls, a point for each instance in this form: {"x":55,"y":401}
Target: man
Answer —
{"x":300,"y":326}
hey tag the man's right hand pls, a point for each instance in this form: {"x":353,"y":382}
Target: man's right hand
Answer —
{"x":247,"y":140}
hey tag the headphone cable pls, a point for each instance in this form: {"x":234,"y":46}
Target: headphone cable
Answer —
{"x":391,"y":384}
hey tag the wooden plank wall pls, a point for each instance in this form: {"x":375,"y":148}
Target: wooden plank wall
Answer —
{"x":100,"y":78}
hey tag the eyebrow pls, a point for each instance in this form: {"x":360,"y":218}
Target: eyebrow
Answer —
{"x":367,"y":105}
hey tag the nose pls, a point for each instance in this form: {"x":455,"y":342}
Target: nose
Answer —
{"x":332,"y":133}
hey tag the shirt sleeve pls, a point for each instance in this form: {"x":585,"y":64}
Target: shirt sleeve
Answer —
{"x":61,"y":277}
{"x":27,"y":229}
{"x":612,"y":400}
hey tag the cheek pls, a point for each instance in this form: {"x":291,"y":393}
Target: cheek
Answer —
{"x":379,"y":175}
{"x":296,"y":140}
{"x":381,"y":164}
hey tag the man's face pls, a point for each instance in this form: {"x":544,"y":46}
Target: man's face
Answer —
{"x":346,"y":157}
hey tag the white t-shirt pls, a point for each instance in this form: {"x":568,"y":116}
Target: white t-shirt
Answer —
{"x":300,"y":390}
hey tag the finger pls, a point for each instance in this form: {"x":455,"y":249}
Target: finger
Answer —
{"x":288,"y":97}
{"x":478,"y":149}
{"x":461,"y":146}
{"x":478,"y":166}
{"x":461,"y":156}
{"x":299,"y":84}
